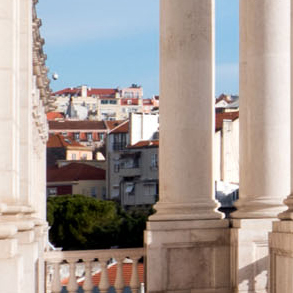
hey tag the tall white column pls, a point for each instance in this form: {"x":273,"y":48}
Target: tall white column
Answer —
{"x":264,"y":138}
{"x":9,"y":94}
{"x":186,"y":111}
{"x":281,"y":238}
{"x":264,"y":108}
{"x":187,"y":242}
{"x":26,"y":101}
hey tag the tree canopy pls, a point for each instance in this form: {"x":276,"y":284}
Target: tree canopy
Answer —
{"x":81,"y":222}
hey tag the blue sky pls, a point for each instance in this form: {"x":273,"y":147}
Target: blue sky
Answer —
{"x":110,"y":43}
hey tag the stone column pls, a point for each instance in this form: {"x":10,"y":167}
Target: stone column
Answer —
{"x":281,"y":238}
{"x":26,"y":101}
{"x":9,"y":94}
{"x":186,"y":111}
{"x":264,"y":108}
{"x":264,"y":137}
{"x":187,"y":241}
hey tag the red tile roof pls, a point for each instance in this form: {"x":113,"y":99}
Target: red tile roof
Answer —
{"x":127,"y":269}
{"x":59,"y":141}
{"x":104,"y":93}
{"x":145,"y":143}
{"x":111,"y":124}
{"x":227,"y":98}
{"x":54,"y":115}
{"x":122,"y":128}
{"x":112,"y":270}
{"x":147,"y":102}
{"x":75,"y":172}
{"x":77,"y":125}
{"x":225,"y":116}
{"x":124,"y":102}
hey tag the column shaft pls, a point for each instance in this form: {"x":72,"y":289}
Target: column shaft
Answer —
{"x":9,"y":93}
{"x":264,"y":108}
{"x":25,"y":101}
{"x":186,"y":111}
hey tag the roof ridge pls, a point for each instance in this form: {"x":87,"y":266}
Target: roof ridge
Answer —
{"x":118,"y":126}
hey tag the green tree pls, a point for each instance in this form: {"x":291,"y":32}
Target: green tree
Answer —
{"x":81,"y":222}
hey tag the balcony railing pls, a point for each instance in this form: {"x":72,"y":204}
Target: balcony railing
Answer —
{"x":90,"y":270}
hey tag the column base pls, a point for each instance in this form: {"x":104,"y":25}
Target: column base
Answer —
{"x":188,"y":256}
{"x":288,"y":214}
{"x":258,"y":208}
{"x":186,"y":211}
{"x":281,"y":257}
{"x":250,"y":255}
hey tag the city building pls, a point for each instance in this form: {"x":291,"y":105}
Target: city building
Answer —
{"x":226,"y":158}
{"x":64,"y":148}
{"x":132,"y":156}
{"x":76,"y":178}
{"x":87,"y":133}
{"x":227,"y":103}
{"x":99,"y":104}
{"x":150,"y":105}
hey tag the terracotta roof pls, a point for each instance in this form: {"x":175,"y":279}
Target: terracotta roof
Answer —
{"x":102,"y":92}
{"x":225,"y":116}
{"x":59,"y":141}
{"x":147,"y":102}
{"x":145,"y":143}
{"x":54,"y":115}
{"x":111,"y":124}
{"x":75,"y":172}
{"x":122,"y":128}
{"x":124,"y":102}
{"x":112,"y":269}
{"x":77,"y":125}
{"x":90,"y":92}
{"x":227,"y":98}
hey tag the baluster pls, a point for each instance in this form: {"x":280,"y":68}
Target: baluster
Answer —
{"x":56,"y":284}
{"x":88,"y":282}
{"x":119,"y":280}
{"x":72,"y":284}
{"x":134,"y":281}
{"x":104,"y":282}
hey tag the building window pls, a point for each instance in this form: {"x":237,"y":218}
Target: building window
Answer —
{"x":154,"y":161}
{"x":129,"y":102}
{"x":73,"y":156}
{"x":104,"y":102}
{"x":130,"y":188}
{"x":149,"y":189}
{"x":84,"y":157}
{"x":94,"y":191}
{"x":113,"y":102}
{"x":76,"y":136}
{"x":102,"y":136}
{"x":52,"y":191}
{"x":119,"y":141}
{"x":116,"y":167}
{"x":89,"y":136}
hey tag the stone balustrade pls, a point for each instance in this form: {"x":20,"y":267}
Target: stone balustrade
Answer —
{"x":92,"y":269}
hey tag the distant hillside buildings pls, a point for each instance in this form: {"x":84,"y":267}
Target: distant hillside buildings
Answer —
{"x":127,"y":149}
{"x":102,"y":104}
